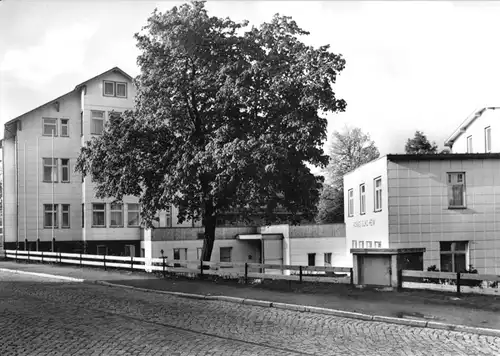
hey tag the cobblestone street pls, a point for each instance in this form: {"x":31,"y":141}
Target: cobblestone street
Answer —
{"x":40,"y":316}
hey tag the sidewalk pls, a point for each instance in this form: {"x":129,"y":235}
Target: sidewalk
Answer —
{"x":468,"y":310}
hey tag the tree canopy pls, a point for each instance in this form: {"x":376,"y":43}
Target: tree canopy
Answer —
{"x":225,"y":118}
{"x":419,"y":144}
{"x":350,"y":149}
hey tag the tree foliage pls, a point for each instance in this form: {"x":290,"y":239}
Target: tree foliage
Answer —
{"x":419,"y":144}
{"x":350,"y":149}
{"x":224,"y":119}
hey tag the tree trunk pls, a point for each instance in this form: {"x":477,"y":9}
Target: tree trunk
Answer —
{"x":209,"y":222}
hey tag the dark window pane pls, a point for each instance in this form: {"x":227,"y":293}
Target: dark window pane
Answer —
{"x":445,"y":246}
{"x":460,"y":245}
{"x":446,"y":263}
{"x":460,"y":265}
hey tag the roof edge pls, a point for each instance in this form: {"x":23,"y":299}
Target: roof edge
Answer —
{"x":441,"y":156}
{"x":466,"y":123}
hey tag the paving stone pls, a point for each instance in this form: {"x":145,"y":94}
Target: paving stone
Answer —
{"x":40,"y":316}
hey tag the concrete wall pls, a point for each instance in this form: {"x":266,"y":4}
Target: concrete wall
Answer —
{"x":420,"y":217}
{"x":9,"y":190}
{"x":372,"y":226}
{"x":301,"y":247}
{"x":186,"y":234}
{"x":489,"y":118}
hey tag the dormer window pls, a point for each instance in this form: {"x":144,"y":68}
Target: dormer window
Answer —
{"x":115,"y":89}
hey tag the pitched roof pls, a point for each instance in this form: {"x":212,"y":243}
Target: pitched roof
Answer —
{"x":466,"y":123}
{"x":114,"y":69}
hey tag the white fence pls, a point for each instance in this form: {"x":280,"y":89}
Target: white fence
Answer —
{"x":223,"y":269}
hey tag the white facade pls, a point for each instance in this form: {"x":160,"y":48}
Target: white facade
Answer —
{"x":27,"y":147}
{"x":366,"y":221}
{"x":477,"y":133}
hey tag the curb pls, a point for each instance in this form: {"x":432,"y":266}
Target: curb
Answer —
{"x":285,"y":306}
{"x":46,"y":275}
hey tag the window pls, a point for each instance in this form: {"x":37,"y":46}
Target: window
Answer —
{"x":328,"y":259}
{"x":49,"y":127}
{"x":50,"y":216}
{"x":198,"y":253}
{"x":180,"y":254}
{"x":65,"y":216}
{"x":121,"y":90}
{"x":378,"y":193}
{"x":109,"y":88}
{"x":311,"y":259}
{"x":50,"y":170}
{"x":117,"y":89}
{"x":102,"y":249}
{"x":225,"y":254}
{"x":97,"y":122}
{"x":354,"y":244}
{"x":65,"y":170}
{"x":64,"y":127}
{"x":133,"y":215}
{"x":362,"y":199}
{"x":168,"y":216}
{"x":456,"y":190}
{"x":454,"y":256}
{"x":129,"y":250}
{"x":116,"y":215}
{"x":469,"y":144}
{"x":361,"y":244}
{"x":368,"y":244}
{"x":99,"y":215}
{"x":378,"y":244}
{"x":350,"y":202}
{"x":487,"y":139}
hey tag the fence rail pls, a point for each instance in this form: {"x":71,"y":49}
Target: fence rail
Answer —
{"x":223,"y":269}
{"x":450,"y":282}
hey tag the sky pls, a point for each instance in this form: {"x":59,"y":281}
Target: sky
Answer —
{"x":409,"y":65}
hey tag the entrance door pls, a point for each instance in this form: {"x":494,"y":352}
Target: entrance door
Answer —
{"x":375,"y":270}
{"x":273,"y":254}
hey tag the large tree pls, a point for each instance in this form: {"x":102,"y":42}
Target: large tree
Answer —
{"x":224,"y":119}
{"x":419,"y":144}
{"x":350,"y":149}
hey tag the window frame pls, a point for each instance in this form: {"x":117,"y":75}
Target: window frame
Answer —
{"x":54,"y":215}
{"x":138,"y":212}
{"x":313,"y":255}
{"x":453,"y":252}
{"x":369,"y":244}
{"x":354,"y":244}
{"x":377,"y":205}
{"x":362,"y":199}
{"x":379,"y":243}
{"x":104,"y":88}
{"x":55,"y":124}
{"x":116,"y":89}
{"x":350,"y":202}
{"x":64,"y":122}
{"x":67,"y":166}
{"x":327,"y":259}
{"x":68,"y":212}
{"x":361,"y":244}
{"x":103,"y":211}
{"x":199,"y":253}
{"x":93,"y":118}
{"x":178,"y":249}
{"x":54,"y":168}
{"x":469,"y":144}
{"x":450,"y":184}
{"x":487,"y":139}
{"x":168,"y":216}
{"x":111,"y":211}
{"x":226,"y":248}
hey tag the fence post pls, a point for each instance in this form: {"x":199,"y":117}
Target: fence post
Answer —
{"x":458,"y":283}
{"x":60,"y":258}
{"x":163,"y":257}
{"x":131,"y":263}
{"x":28,"y":255}
{"x":352,"y":276}
{"x":300,"y":274}
{"x":104,"y":259}
{"x":246,"y":272}
{"x":42,"y":256}
{"x":201,"y":268}
{"x":81,"y":260}
{"x":16,"y":256}
{"x":400,"y":279}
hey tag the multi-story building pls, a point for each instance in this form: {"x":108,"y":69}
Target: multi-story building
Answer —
{"x":47,"y":205}
{"x":475,"y":134}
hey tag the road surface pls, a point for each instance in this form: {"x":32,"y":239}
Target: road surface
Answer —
{"x":40,"y":316}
